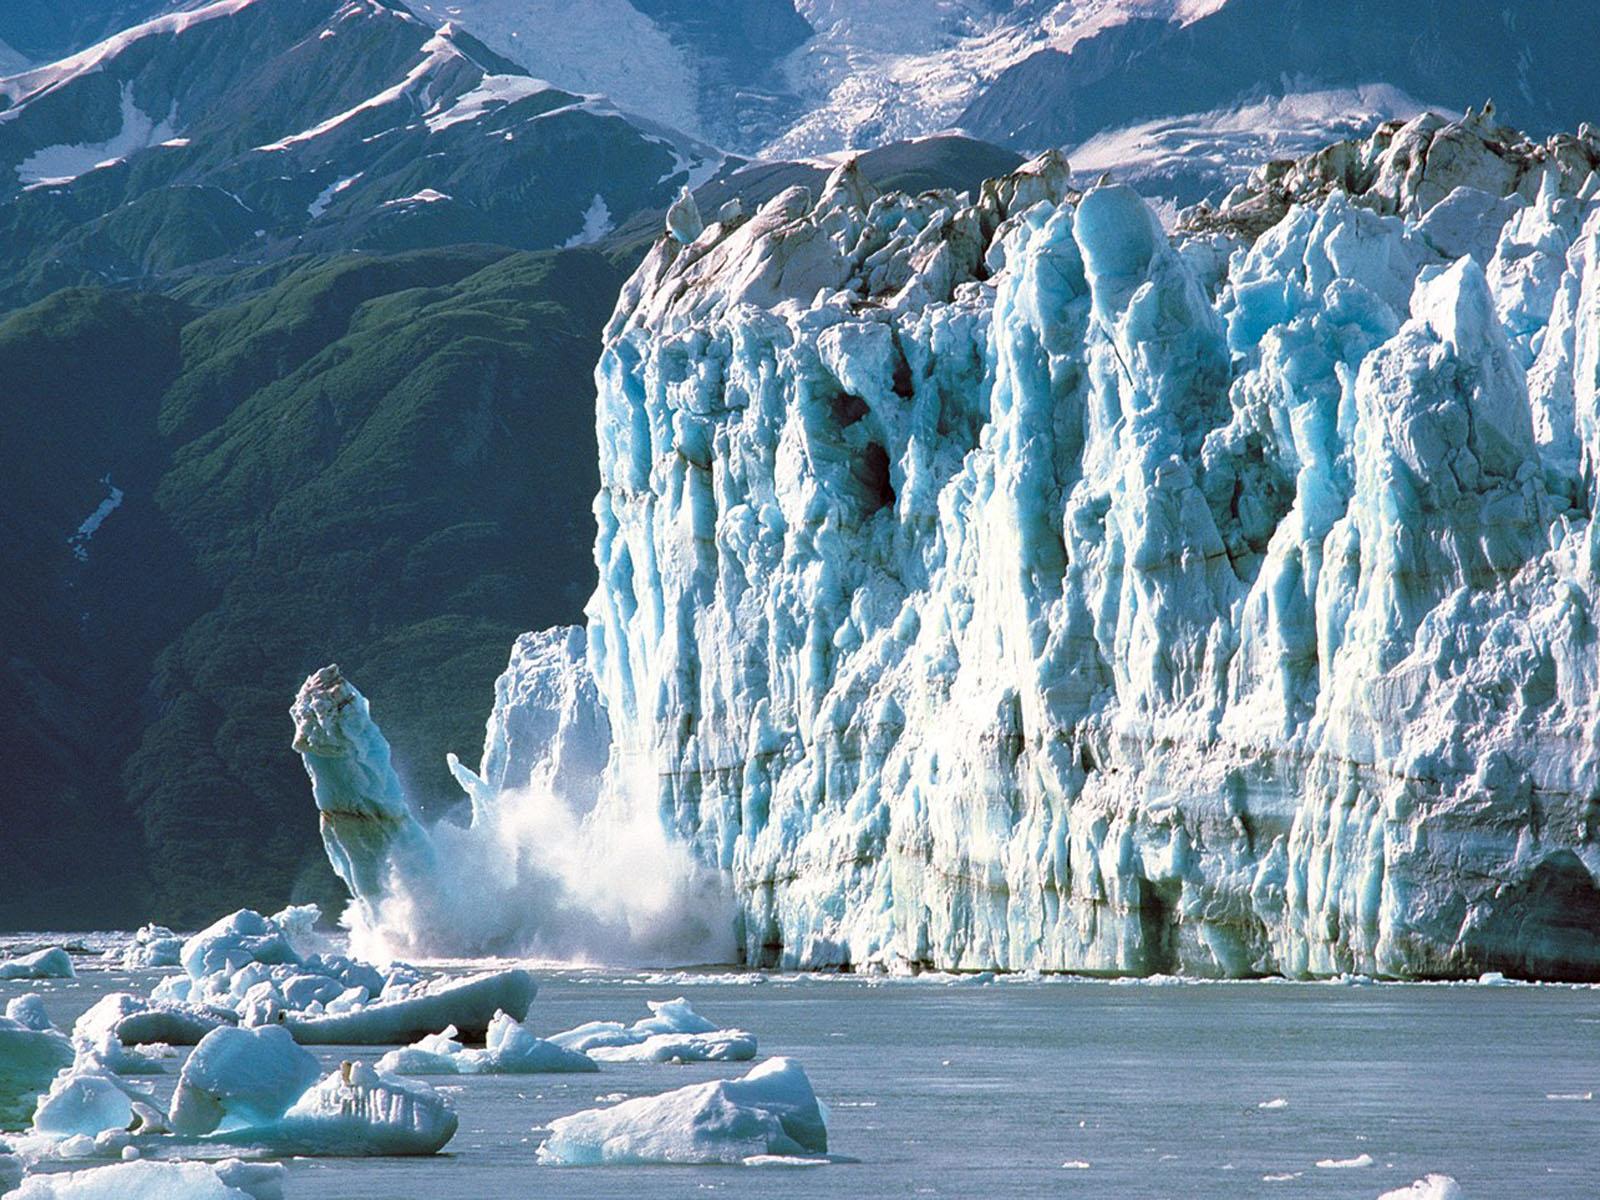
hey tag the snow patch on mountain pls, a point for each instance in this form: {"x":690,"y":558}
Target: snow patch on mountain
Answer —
{"x":602,"y":47}
{"x":79,"y":541}
{"x":437,"y":52}
{"x":20,"y":88}
{"x":494,"y":92}
{"x":596,"y":224}
{"x":56,"y":165}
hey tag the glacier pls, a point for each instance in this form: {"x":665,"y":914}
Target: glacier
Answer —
{"x":1003,"y":583}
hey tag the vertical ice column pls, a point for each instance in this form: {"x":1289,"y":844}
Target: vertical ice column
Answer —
{"x":368,"y":827}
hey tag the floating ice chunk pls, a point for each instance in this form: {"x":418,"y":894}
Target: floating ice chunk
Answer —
{"x":28,"y":1011}
{"x":241,"y":1077}
{"x":674,"y":1031}
{"x":153,"y":946}
{"x":240,"y":938}
{"x":512,"y":1049}
{"x":1430,"y":1187}
{"x":770,"y":1111}
{"x":84,"y":1099}
{"x":1339,"y":1164}
{"x":107,"y":1050}
{"x":469,"y":1004}
{"x":136,"y":1021}
{"x":1275,"y":1102}
{"x":229,"y":1180}
{"x":29,"y":1059}
{"x":357,"y":1111}
{"x":50,"y":963}
{"x":725,"y":1045}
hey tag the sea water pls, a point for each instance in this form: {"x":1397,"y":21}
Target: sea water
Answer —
{"x":1048,"y":1087}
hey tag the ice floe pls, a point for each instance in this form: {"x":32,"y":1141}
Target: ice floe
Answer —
{"x":674,"y":1032}
{"x":770,"y":1111}
{"x":50,"y":963}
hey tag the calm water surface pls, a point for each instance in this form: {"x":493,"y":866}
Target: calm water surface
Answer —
{"x":972,"y":1090}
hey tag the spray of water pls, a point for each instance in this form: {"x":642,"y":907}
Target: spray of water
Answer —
{"x":574,"y":865}
{"x":530,"y":879}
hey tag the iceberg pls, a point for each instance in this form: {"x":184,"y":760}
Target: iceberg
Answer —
{"x":240,"y":1077}
{"x":50,"y":963}
{"x":770,"y":1111}
{"x":355,"y":1111}
{"x":1256,"y":564}
{"x":153,"y":946}
{"x":252,"y":970}
{"x":228,"y":1180}
{"x":30,"y":1057}
{"x":85,"y":1100}
{"x":133,"y":1020}
{"x":511,"y":1049}
{"x":469,"y":1004}
{"x":1431,"y":1187}
{"x":673,"y":1033}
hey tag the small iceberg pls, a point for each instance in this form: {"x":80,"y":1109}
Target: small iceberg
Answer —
{"x":134,"y":1021}
{"x":1430,"y":1187}
{"x":356,"y":1111}
{"x":241,"y":1077}
{"x":153,"y":946}
{"x":469,"y":1004}
{"x":227,"y":1180}
{"x":50,"y":963}
{"x":31,"y":1052}
{"x":771,"y":1112}
{"x":673,"y":1032}
{"x":512,"y":1049}
{"x":1344,"y":1164}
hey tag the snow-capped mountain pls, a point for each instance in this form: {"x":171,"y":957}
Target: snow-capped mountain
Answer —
{"x":993,"y":583}
{"x":1181,"y":96}
{"x":242,"y":130}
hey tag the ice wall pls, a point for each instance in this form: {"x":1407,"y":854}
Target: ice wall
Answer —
{"x":1001,"y":584}
{"x":1007,"y":584}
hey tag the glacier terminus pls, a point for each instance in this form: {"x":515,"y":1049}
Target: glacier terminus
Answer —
{"x":1008,"y":582}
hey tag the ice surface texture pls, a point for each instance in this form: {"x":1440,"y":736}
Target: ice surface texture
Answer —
{"x":1005,"y":584}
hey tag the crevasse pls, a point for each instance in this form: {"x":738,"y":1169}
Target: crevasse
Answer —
{"x":1009,"y":584}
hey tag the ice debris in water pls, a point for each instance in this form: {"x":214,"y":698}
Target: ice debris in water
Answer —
{"x":770,"y":1111}
{"x":227,"y":1180}
{"x":50,"y":963}
{"x":255,"y":970}
{"x":1430,"y":1187}
{"x":511,"y":1049}
{"x":673,"y":1033}
{"x":152,"y":946}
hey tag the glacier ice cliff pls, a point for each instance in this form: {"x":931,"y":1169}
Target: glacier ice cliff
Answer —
{"x":1007,"y":583}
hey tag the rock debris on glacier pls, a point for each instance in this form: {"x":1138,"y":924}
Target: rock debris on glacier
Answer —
{"x":1007,"y":584}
